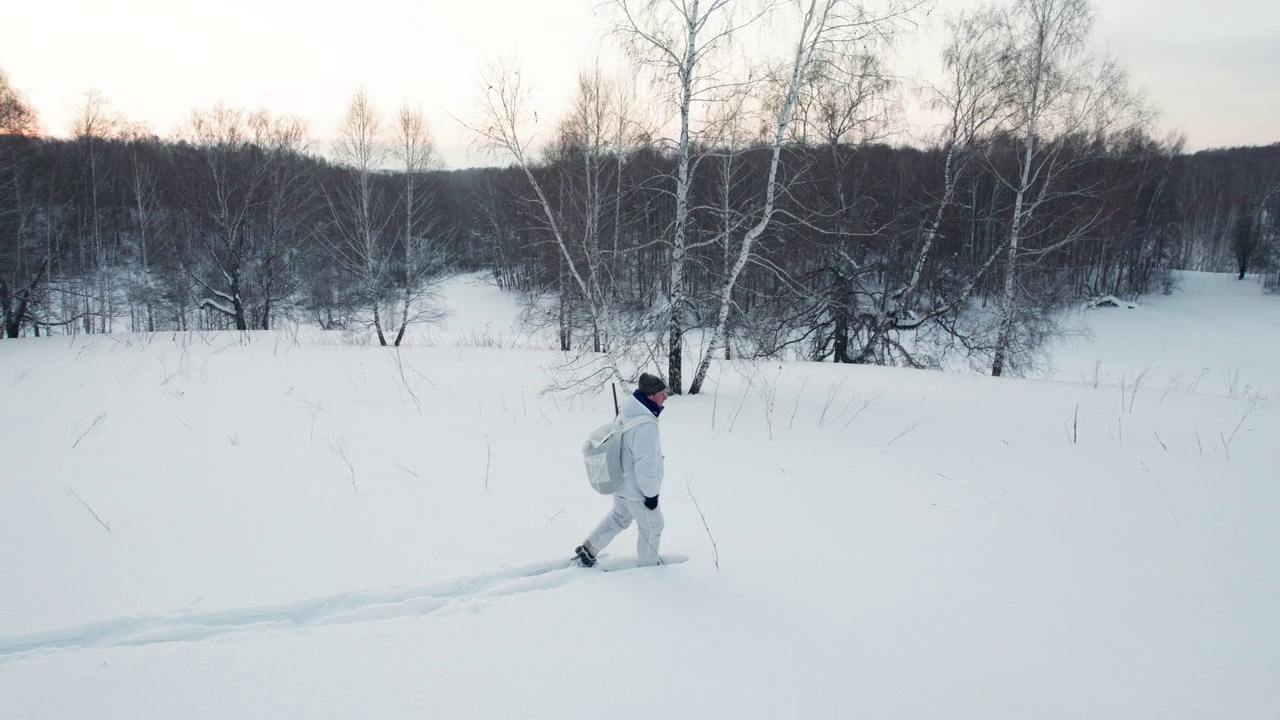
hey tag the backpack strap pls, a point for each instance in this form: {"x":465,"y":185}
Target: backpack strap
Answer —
{"x":636,"y":422}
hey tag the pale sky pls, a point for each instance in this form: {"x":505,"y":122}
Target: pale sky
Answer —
{"x":1210,"y":66}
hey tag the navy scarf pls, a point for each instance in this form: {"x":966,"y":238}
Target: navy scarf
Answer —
{"x":644,"y":400}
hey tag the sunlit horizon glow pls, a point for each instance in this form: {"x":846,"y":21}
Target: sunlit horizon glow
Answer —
{"x":1207,"y":68}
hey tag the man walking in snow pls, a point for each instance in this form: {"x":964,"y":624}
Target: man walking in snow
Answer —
{"x":637,"y":499}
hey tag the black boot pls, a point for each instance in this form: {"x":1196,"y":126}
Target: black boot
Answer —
{"x":584,"y":556}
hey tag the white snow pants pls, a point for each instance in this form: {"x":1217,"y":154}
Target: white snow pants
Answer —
{"x":648,"y":524}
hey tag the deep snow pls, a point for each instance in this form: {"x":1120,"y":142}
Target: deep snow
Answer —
{"x":300,"y":527}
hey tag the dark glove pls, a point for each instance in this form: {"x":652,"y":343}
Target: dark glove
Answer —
{"x":651,"y":502}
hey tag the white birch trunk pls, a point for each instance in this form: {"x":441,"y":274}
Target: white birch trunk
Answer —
{"x":812,"y":34}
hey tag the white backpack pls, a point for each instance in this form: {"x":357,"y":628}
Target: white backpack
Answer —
{"x":602,"y":454}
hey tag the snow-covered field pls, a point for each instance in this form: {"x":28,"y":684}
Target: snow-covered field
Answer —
{"x":260,"y":526}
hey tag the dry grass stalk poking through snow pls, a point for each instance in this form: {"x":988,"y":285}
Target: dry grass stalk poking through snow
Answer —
{"x":715,"y":549}
{"x":92,"y":425}
{"x":338,"y":444}
{"x":101,"y":522}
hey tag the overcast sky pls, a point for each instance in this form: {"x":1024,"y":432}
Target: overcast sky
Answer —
{"x":1210,"y":66}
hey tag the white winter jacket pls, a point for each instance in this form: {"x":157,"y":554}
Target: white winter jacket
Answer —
{"x":641,"y":454}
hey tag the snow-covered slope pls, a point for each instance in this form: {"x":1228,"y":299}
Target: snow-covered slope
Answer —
{"x":1215,"y":334}
{"x":224,"y":525}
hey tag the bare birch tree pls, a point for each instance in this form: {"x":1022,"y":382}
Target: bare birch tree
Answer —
{"x":359,"y":208}
{"x":94,"y":123}
{"x":252,"y":193}
{"x":24,"y":260}
{"x":421,"y":242}
{"x":826,"y":30}
{"x":224,"y":189}
{"x":1059,"y":92}
{"x":16,"y":116}
{"x":281,"y":221}
{"x":505,"y":121}
{"x":144,"y":206}
{"x":970,"y":102}
{"x":587,"y":156}
{"x":681,"y":43}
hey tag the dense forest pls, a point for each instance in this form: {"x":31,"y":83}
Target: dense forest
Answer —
{"x":776,"y":218}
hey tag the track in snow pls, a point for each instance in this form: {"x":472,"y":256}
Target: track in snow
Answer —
{"x":350,"y":607}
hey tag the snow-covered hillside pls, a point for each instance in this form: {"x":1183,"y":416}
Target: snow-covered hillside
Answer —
{"x":262,"y":525}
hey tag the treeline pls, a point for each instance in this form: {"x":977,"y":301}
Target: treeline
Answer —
{"x":850,"y":235}
{"x":768,"y":214}
{"x":235,"y":227}
{"x":141,"y":234}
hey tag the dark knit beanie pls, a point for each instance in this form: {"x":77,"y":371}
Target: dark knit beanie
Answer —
{"x":651,"y":384}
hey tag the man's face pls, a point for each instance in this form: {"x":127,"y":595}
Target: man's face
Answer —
{"x":659,"y":397}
